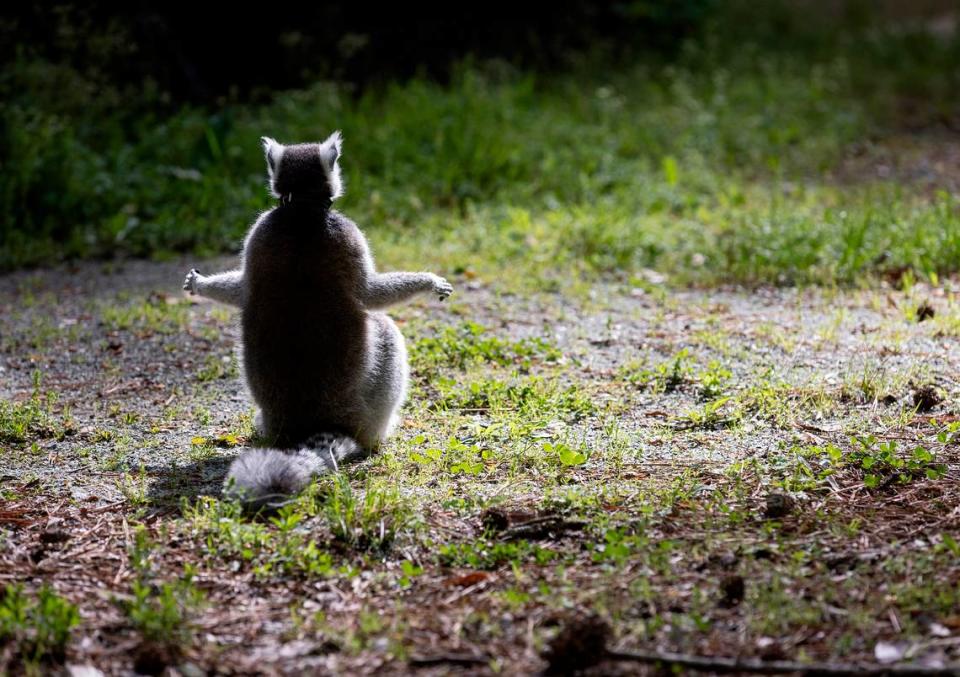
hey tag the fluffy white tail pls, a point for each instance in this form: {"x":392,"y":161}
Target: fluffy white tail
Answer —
{"x":269,"y":478}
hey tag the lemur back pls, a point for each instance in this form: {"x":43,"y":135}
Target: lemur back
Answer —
{"x":326,"y":368}
{"x":304,"y":328}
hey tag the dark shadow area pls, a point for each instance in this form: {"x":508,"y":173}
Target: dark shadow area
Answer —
{"x":170,"y":484}
{"x":189,"y":53}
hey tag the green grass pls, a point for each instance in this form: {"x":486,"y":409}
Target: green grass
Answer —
{"x":709,"y":169}
{"x":161,"y":611}
{"x":37,"y":627}
{"x":33,"y":419}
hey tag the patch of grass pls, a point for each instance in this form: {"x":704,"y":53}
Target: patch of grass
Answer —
{"x":285,"y":545}
{"x":531,"y":397}
{"x":619,"y":546}
{"x":780,"y":608}
{"x":883,"y":463}
{"x":709,"y":416}
{"x":779,"y":402}
{"x":134,"y":487}
{"x":877,"y":464}
{"x":163,"y":612}
{"x":369,"y":520}
{"x":120,"y":449}
{"x":873,"y":382}
{"x":490,"y":554}
{"x":665,"y":377}
{"x":37,"y":627}
{"x":156,"y":314}
{"x":472,"y":344}
{"x":456,"y":457}
{"x":217,"y":367}
{"x":33,"y":419}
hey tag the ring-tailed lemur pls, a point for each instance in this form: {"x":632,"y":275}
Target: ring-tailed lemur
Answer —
{"x":326,"y":369}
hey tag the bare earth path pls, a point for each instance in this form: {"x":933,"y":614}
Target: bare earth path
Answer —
{"x":767,"y":473}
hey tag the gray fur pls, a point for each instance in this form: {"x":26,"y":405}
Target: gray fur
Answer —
{"x":328,"y":372}
{"x":267,"y":478}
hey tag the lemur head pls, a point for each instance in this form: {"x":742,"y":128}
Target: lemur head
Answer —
{"x":306,"y":169}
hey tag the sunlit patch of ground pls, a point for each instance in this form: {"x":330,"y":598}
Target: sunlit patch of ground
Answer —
{"x":770,"y":474}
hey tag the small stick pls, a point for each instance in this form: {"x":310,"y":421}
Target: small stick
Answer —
{"x":754,"y":666}
{"x":451,"y":658}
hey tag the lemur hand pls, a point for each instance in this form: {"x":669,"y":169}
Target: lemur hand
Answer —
{"x":441,"y":287}
{"x":190,"y":282}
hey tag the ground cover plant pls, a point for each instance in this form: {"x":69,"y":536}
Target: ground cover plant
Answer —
{"x":695,"y":394}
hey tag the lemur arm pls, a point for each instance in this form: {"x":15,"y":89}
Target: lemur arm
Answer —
{"x":225,"y":287}
{"x":386,"y":289}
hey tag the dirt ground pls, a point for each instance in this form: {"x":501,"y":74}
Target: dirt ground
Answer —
{"x":703,"y":521}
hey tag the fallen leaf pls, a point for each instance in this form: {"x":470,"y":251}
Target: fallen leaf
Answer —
{"x":467,"y":580}
{"x":887,"y":652}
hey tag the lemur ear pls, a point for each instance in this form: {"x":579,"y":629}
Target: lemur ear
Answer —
{"x":329,"y":153}
{"x":273,"y":152}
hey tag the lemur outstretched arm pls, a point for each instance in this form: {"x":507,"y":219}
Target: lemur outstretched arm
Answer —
{"x":225,"y":287}
{"x":381,"y":290}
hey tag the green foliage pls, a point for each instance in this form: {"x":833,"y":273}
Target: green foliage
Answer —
{"x":877,"y":463}
{"x":155,"y":314}
{"x":713,"y":380}
{"x":882,"y":463}
{"x":700,"y":169}
{"x":490,"y":554}
{"x":38,"y":628}
{"x":226,"y":535}
{"x":664,"y":377}
{"x":410,"y":572}
{"x":565,"y":455}
{"x":216,"y":367}
{"x":31,"y":419}
{"x":367,"y":521}
{"x":620,"y":547}
{"x":470,"y":343}
{"x":531,"y":397}
{"x":297,"y":540}
{"x":456,"y":458}
{"x":161,"y":612}
{"x":709,"y":416}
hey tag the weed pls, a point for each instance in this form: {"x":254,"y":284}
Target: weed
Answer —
{"x":565,"y":455}
{"x":162,"y":613}
{"x":134,"y":487}
{"x":155,"y":314}
{"x":32,"y":419}
{"x":216,"y":367}
{"x":38,"y":628}
{"x":713,"y":380}
{"x":664,"y":377}
{"x":709,"y":416}
{"x":880,"y":462}
{"x":489,"y":554}
{"x":368,"y":521}
{"x":459,"y":347}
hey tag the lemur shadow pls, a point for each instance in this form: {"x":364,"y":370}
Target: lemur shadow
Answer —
{"x":171,"y":484}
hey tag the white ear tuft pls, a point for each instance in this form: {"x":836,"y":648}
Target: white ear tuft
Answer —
{"x":273,"y":152}
{"x":329,"y":154}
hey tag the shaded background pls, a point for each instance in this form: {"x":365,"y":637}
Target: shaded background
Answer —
{"x":130,"y":128}
{"x":202,"y":51}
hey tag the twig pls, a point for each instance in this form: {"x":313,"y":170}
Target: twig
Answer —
{"x":540,"y":527}
{"x":451,"y":658}
{"x":760,"y":667}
